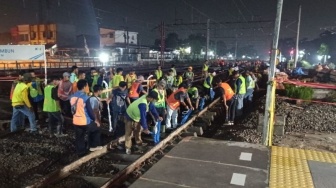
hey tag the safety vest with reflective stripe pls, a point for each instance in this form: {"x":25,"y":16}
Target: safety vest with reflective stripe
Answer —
{"x":133,"y":93}
{"x":133,"y":110}
{"x":174,"y":103}
{"x":228,"y":91}
{"x":160,"y":103}
{"x":205,"y":67}
{"x":242,"y":89}
{"x":205,"y":84}
{"x":49,"y":104}
{"x":158,"y":74}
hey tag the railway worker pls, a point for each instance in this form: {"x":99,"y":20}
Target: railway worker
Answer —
{"x":52,"y":107}
{"x":36,"y":93}
{"x":240,"y":91}
{"x":231,"y":69}
{"x":160,"y":106}
{"x":136,"y":89}
{"x":174,"y":70}
{"x":189,"y":75}
{"x":228,"y":96}
{"x":64,"y":92}
{"x":205,"y":69}
{"x":21,"y":120}
{"x":94,"y":78}
{"x":117,"y":78}
{"x":119,"y":102}
{"x":81,"y":76}
{"x":194,"y":95}
{"x":84,"y":120}
{"x":250,"y":85}
{"x":130,"y":78}
{"x":170,"y":81}
{"x":15,"y":82}
{"x":102,"y":79}
{"x":136,"y":119}
{"x":111,"y":72}
{"x":21,"y":104}
{"x":158,"y":73}
{"x":207,"y":84}
{"x":97,"y":108}
{"x":178,"y":79}
{"x":173,"y":103}
{"x":74,"y":73}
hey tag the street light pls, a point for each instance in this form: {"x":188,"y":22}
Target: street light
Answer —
{"x":104,"y":57}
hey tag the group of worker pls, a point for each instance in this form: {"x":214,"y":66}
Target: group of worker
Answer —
{"x":236,"y":94}
{"x":89,"y":99}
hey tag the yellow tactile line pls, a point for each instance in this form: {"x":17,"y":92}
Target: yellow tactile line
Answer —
{"x":289,"y":166}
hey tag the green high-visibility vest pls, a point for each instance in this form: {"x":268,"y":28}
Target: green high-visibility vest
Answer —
{"x":242,"y":89}
{"x":94,"y":81}
{"x":116,"y":80}
{"x":205,"y":67}
{"x":205,"y":84}
{"x":193,"y":92}
{"x":49,"y":104}
{"x":161,"y":103}
{"x":133,"y":110}
{"x":158,"y":74}
{"x":250,"y":83}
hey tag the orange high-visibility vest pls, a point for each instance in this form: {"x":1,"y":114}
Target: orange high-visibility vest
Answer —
{"x":172,"y":102}
{"x":228,"y":91}
{"x":133,"y":93}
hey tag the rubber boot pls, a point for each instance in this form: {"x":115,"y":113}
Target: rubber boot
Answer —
{"x":59,"y":131}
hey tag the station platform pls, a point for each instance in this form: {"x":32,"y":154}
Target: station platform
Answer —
{"x":200,"y":162}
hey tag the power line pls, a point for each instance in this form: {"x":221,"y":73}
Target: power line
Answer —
{"x":234,"y":2}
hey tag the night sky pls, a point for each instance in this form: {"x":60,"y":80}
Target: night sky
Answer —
{"x":144,"y":15}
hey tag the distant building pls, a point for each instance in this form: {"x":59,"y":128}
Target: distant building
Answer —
{"x":117,"y":38}
{"x":60,"y":34}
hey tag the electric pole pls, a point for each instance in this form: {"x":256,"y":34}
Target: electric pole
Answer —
{"x":271,"y":75}
{"x":162,"y":33}
{"x":207,"y":40}
{"x":236,"y":47}
{"x":297,"y":39}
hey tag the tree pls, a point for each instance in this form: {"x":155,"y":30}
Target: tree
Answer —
{"x":172,"y":41}
{"x":196,"y":42}
{"x":157,"y":43}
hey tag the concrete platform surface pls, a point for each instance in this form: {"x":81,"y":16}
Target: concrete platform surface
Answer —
{"x":201,"y":162}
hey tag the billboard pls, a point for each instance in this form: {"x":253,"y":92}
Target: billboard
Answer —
{"x":22,"y":52}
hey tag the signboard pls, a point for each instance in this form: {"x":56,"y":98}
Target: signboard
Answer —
{"x":22,"y":52}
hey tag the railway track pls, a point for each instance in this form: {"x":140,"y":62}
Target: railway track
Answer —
{"x":113,"y":168}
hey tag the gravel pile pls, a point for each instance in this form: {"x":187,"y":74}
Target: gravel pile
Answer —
{"x":25,"y":157}
{"x":72,"y":182}
{"x":305,"y":118}
{"x":98,"y":167}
